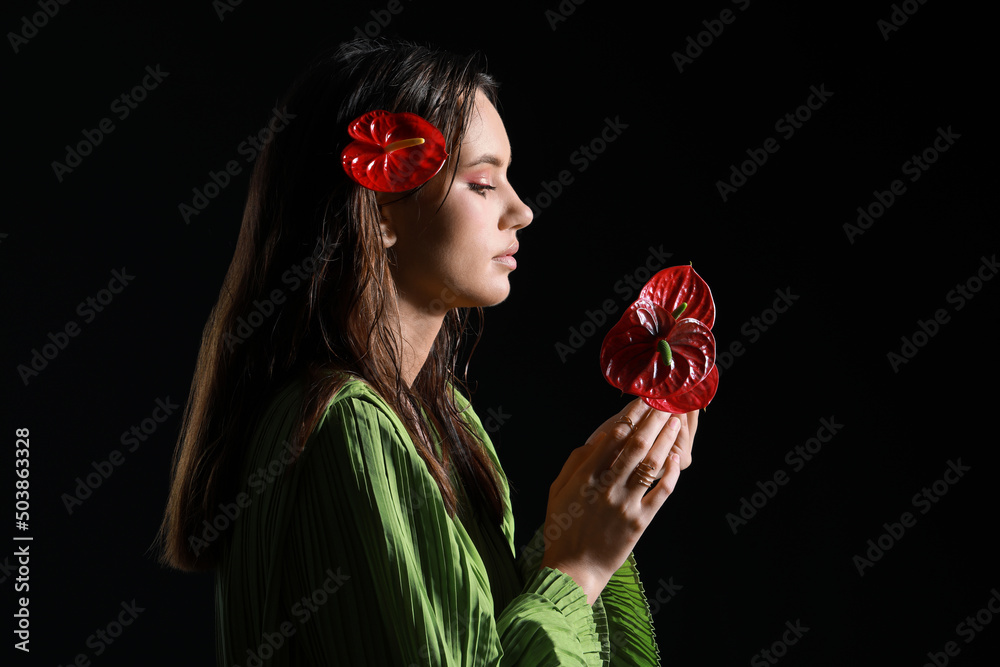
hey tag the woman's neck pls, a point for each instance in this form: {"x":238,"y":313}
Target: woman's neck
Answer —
{"x":419,"y":328}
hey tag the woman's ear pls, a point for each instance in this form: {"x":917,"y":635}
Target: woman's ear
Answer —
{"x":388,"y":235}
{"x":387,"y":225}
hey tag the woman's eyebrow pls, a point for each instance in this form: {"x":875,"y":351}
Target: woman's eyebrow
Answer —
{"x":490,"y":158}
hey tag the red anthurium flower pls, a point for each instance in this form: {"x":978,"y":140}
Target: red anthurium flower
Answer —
{"x":697,"y":398}
{"x":663,"y":349}
{"x":393,"y":152}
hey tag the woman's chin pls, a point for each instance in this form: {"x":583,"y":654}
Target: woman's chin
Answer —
{"x":493,"y":297}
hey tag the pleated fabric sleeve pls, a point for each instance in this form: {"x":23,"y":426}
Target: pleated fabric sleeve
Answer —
{"x":348,"y":557}
{"x":621,"y":612}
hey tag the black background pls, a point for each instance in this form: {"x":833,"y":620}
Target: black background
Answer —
{"x":655,"y":185}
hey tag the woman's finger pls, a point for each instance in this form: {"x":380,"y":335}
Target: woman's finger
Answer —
{"x":621,"y":425}
{"x":637,"y":447}
{"x":606,"y":441}
{"x":653,"y":501}
{"x":685,"y":439}
{"x":684,"y":442}
{"x":654,"y":464}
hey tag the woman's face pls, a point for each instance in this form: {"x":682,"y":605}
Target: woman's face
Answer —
{"x":461,"y":254}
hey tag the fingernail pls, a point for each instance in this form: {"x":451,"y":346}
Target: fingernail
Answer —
{"x":675,"y":423}
{"x":676,"y":457}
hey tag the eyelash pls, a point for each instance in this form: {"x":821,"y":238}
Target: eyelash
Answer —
{"x":481,"y":188}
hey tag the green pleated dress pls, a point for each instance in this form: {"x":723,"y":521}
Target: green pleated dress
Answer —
{"x":348,"y":557}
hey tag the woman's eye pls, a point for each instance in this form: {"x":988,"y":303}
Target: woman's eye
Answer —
{"x":481,"y":188}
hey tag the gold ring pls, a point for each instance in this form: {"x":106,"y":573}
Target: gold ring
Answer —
{"x":625,"y":419}
{"x":644,"y":473}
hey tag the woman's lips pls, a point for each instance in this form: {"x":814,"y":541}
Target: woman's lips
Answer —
{"x":507,"y":259}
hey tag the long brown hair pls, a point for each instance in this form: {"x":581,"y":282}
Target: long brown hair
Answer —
{"x":306,"y":221}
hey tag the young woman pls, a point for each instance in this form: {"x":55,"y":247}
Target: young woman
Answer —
{"x":331,"y":471}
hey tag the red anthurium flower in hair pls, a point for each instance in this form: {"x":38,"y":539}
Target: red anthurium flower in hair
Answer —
{"x":393,"y":152}
{"x":663,"y":349}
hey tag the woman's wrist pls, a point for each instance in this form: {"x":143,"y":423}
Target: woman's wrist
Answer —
{"x":582,"y":576}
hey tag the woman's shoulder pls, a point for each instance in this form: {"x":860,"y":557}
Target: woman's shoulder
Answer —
{"x":352,"y":401}
{"x":356,"y":393}
{"x":355,"y":408}
{"x":355,"y":397}
{"x":352,"y":390}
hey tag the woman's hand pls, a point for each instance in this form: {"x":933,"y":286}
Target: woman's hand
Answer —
{"x":598,"y":506}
